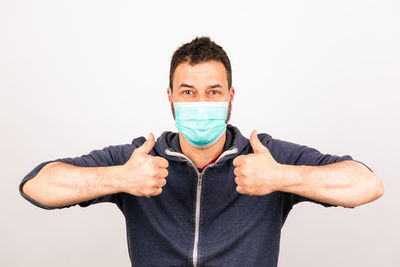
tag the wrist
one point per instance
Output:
(112, 177)
(291, 177)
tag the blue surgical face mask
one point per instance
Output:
(201, 123)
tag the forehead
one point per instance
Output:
(205, 72)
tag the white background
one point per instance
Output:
(76, 76)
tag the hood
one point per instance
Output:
(170, 141)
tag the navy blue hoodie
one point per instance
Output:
(199, 219)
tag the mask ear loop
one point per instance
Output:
(227, 109)
(172, 100)
(173, 104)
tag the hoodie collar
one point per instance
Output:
(235, 142)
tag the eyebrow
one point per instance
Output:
(216, 86)
(191, 86)
(186, 85)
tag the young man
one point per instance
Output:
(205, 196)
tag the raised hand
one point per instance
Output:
(144, 175)
(257, 173)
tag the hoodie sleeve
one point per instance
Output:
(294, 154)
(108, 156)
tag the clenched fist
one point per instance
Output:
(145, 174)
(257, 173)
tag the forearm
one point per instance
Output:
(59, 184)
(346, 183)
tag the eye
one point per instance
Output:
(187, 92)
(215, 92)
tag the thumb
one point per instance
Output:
(147, 146)
(256, 144)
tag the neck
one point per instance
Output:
(202, 156)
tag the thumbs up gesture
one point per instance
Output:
(144, 175)
(257, 173)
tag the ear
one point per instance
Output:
(232, 93)
(169, 92)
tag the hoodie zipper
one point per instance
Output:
(198, 196)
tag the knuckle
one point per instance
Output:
(245, 172)
(155, 191)
(151, 183)
(160, 162)
(143, 162)
(239, 189)
(162, 182)
(165, 163)
(154, 161)
(148, 192)
(240, 171)
(237, 180)
(158, 191)
(153, 173)
(236, 161)
(164, 173)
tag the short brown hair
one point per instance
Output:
(199, 50)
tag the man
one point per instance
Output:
(205, 196)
